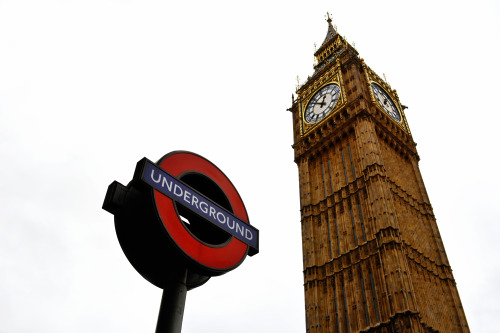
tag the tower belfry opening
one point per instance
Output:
(373, 257)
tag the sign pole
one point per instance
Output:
(180, 221)
(172, 305)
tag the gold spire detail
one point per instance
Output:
(329, 20)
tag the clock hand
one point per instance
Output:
(322, 103)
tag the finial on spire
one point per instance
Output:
(329, 20)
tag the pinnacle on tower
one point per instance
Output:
(331, 33)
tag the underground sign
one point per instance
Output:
(181, 213)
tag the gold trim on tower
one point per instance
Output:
(306, 96)
(391, 99)
(372, 77)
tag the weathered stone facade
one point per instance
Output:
(373, 257)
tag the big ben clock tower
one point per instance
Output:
(373, 257)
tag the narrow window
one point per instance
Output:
(343, 164)
(345, 307)
(337, 232)
(364, 298)
(336, 305)
(323, 176)
(362, 222)
(374, 295)
(352, 165)
(353, 226)
(329, 235)
(330, 174)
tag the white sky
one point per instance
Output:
(88, 88)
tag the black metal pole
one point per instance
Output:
(172, 306)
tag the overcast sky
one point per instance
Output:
(88, 88)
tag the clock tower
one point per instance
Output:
(373, 257)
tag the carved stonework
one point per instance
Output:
(373, 258)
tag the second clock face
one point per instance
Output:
(322, 103)
(386, 102)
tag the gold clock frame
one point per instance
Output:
(396, 102)
(308, 94)
(372, 77)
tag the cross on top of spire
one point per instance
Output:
(329, 20)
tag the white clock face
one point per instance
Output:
(386, 102)
(322, 103)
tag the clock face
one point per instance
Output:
(322, 103)
(386, 102)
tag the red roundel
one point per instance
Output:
(218, 257)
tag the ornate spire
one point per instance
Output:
(331, 49)
(329, 20)
(331, 33)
